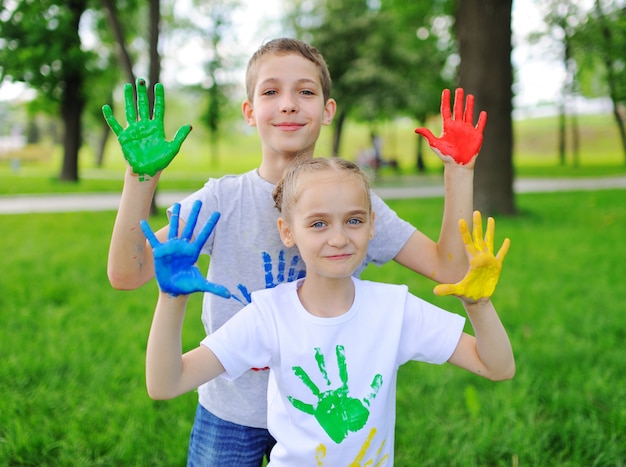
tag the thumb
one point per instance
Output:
(181, 135)
(445, 289)
(426, 133)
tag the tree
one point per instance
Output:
(40, 45)
(212, 21)
(425, 59)
(599, 51)
(484, 36)
(561, 18)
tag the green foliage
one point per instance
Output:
(71, 373)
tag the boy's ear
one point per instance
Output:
(248, 112)
(285, 233)
(329, 111)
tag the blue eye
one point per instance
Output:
(354, 221)
(318, 225)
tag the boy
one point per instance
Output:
(288, 86)
(333, 343)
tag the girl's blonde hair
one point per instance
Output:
(287, 192)
(287, 46)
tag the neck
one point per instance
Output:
(327, 298)
(273, 167)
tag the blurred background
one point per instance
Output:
(389, 60)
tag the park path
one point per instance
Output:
(25, 204)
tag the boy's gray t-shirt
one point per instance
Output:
(247, 255)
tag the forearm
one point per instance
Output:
(492, 343)
(169, 372)
(164, 363)
(130, 262)
(458, 204)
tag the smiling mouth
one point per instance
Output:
(289, 126)
(338, 257)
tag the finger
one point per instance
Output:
(468, 116)
(174, 219)
(482, 121)
(467, 238)
(216, 289)
(143, 105)
(192, 220)
(111, 120)
(180, 136)
(147, 231)
(479, 243)
(504, 249)
(129, 103)
(159, 102)
(489, 235)
(445, 289)
(458, 104)
(445, 105)
(426, 133)
(207, 230)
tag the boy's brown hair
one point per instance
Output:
(287, 46)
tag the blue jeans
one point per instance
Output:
(216, 442)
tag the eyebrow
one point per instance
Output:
(299, 81)
(355, 212)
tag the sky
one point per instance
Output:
(538, 76)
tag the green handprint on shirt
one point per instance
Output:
(336, 411)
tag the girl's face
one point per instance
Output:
(288, 108)
(331, 223)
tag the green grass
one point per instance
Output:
(72, 349)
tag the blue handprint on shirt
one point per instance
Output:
(271, 280)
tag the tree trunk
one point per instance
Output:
(118, 34)
(72, 103)
(610, 71)
(484, 35)
(339, 121)
(71, 111)
(154, 73)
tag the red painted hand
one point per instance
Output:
(460, 141)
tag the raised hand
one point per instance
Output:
(175, 260)
(143, 140)
(484, 271)
(460, 140)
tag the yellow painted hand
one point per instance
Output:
(484, 271)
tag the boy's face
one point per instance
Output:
(288, 108)
(331, 223)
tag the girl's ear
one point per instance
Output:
(285, 233)
(248, 112)
(372, 225)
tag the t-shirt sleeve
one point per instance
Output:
(243, 342)
(390, 233)
(429, 334)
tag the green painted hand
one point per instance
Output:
(484, 272)
(336, 412)
(143, 140)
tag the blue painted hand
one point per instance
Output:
(175, 260)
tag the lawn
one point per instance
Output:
(72, 349)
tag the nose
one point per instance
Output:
(338, 238)
(288, 105)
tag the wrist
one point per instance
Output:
(133, 177)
